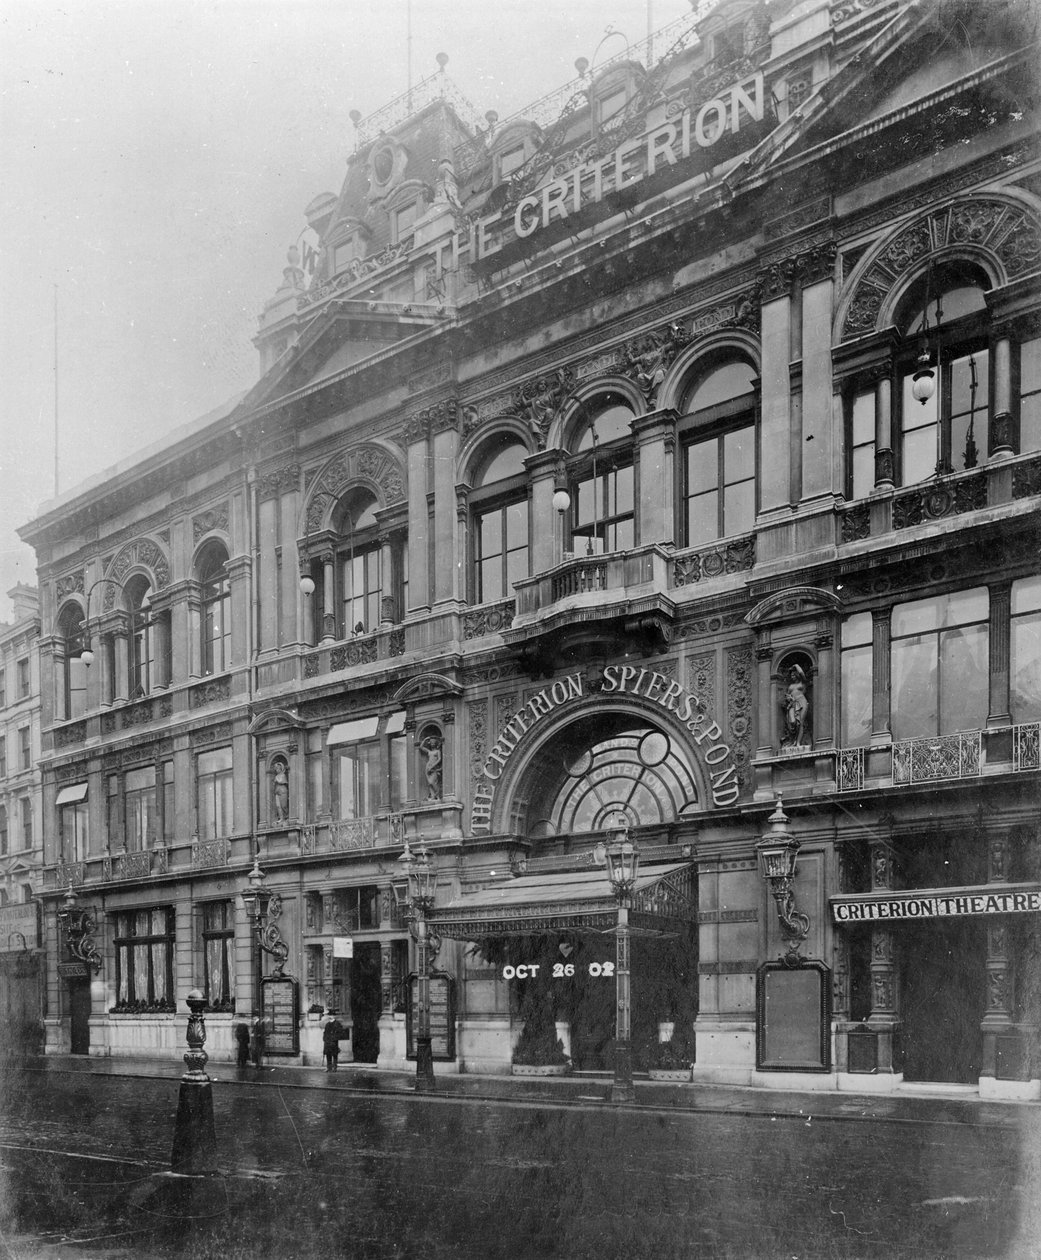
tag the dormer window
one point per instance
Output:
(729, 44)
(346, 252)
(404, 221)
(510, 161)
(611, 106)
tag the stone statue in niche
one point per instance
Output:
(796, 705)
(430, 747)
(280, 790)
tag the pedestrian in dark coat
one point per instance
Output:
(331, 1035)
(256, 1041)
(242, 1044)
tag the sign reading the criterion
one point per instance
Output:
(684, 707)
(937, 904)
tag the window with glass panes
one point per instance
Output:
(74, 672)
(75, 831)
(23, 679)
(142, 640)
(215, 594)
(4, 843)
(214, 789)
(499, 507)
(25, 748)
(939, 659)
(144, 941)
(362, 585)
(861, 444)
(945, 313)
(856, 674)
(358, 908)
(169, 817)
(26, 806)
(1029, 392)
(719, 454)
(357, 778)
(139, 808)
(602, 490)
(1025, 650)
(218, 947)
(3, 756)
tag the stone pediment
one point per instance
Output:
(793, 604)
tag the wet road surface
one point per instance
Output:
(313, 1172)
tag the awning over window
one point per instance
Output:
(74, 792)
(396, 722)
(351, 732)
(569, 901)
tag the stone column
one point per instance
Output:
(997, 1018)
(885, 464)
(387, 609)
(883, 1018)
(289, 577)
(445, 435)
(416, 431)
(328, 598)
(546, 534)
(238, 570)
(267, 595)
(775, 428)
(1000, 629)
(767, 719)
(999, 439)
(880, 634)
(655, 438)
(122, 680)
(824, 690)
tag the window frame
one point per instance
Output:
(140, 808)
(220, 781)
(25, 682)
(25, 804)
(25, 747)
(141, 656)
(220, 939)
(214, 602)
(496, 498)
(127, 942)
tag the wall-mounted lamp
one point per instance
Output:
(256, 898)
(78, 925)
(778, 851)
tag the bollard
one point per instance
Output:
(195, 1142)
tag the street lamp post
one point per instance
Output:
(256, 899)
(623, 860)
(414, 893)
(78, 927)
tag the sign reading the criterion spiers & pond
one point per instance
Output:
(648, 684)
(938, 903)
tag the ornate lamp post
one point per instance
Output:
(777, 852)
(256, 898)
(195, 1142)
(623, 860)
(78, 926)
(414, 893)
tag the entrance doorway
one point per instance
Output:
(79, 1011)
(366, 1001)
(943, 999)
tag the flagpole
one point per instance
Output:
(55, 391)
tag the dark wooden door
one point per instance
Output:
(943, 999)
(366, 1002)
(79, 1009)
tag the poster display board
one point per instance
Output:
(278, 1009)
(442, 1016)
(793, 1017)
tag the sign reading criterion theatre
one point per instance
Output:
(618, 680)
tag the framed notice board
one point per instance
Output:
(793, 1017)
(442, 1016)
(278, 1009)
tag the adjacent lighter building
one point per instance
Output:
(621, 467)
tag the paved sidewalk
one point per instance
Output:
(904, 1106)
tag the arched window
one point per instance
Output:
(719, 458)
(359, 564)
(602, 479)
(499, 512)
(216, 609)
(943, 316)
(74, 672)
(142, 636)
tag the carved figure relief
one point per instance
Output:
(796, 707)
(431, 747)
(280, 790)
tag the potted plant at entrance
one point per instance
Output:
(539, 1051)
(672, 1060)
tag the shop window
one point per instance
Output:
(139, 805)
(144, 941)
(856, 680)
(214, 784)
(719, 464)
(74, 822)
(215, 592)
(1025, 650)
(944, 316)
(939, 664)
(24, 683)
(25, 758)
(74, 672)
(602, 477)
(26, 807)
(499, 512)
(218, 948)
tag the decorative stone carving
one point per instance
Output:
(272, 483)
(739, 666)
(795, 705)
(648, 358)
(701, 680)
(69, 584)
(541, 400)
(357, 652)
(206, 522)
(368, 463)
(209, 693)
(144, 553)
(477, 713)
(280, 789)
(492, 619)
(430, 746)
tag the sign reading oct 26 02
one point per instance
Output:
(685, 708)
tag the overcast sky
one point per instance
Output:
(157, 156)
